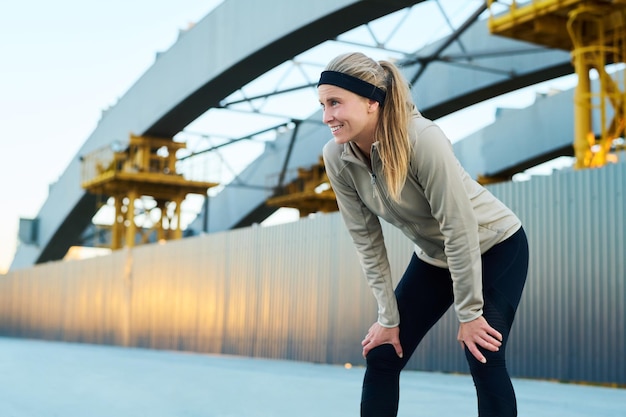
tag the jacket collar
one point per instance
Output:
(352, 153)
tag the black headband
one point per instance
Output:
(354, 84)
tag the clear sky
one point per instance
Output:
(61, 64)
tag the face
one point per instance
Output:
(349, 116)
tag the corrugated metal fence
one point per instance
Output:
(296, 291)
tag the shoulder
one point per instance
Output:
(332, 151)
(332, 155)
(427, 135)
(421, 123)
(332, 148)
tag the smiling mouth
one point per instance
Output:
(333, 129)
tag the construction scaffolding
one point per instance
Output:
(146, 168)
(310, 192)
(595, 33)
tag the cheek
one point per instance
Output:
(344, 114)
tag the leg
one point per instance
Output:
(504, 273)
(424, 294)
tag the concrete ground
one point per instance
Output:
(46, 379)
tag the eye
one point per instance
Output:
(331, 103)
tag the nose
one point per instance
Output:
(326, 116)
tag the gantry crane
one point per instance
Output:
(595, 33)
(310, 192)
(146, 168)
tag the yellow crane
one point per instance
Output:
(146, 168)
(595, 33)
(310, 192)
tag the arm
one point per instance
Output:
(442, 178)
(367, 236)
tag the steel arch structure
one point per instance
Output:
(215, 58)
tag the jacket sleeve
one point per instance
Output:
(443, 180)
(366, 232)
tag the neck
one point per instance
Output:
(362, 154)
(365, 148)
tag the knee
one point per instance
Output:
(384, 357)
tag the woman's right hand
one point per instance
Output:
(379, 335)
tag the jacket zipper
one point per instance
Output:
(373, 176)
(385, 200)
(354, 160)
(375, 187)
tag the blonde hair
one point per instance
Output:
(392, 129)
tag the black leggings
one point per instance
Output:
(424, 294)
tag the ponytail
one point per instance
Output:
(392, 130)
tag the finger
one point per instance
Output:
(398, 348)
(479, 356)
(486, 341)
(496, 335)
(496, 342)
(490, 346)
(366, 350)
(367, 339)
(491, 342)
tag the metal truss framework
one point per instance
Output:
(384, 37)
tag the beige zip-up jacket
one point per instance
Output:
(449, 217)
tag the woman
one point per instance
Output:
(387, 161)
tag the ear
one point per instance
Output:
(372, 105)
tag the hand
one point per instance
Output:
(479, 333)
(378, 335)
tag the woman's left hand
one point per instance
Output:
(479, 333)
